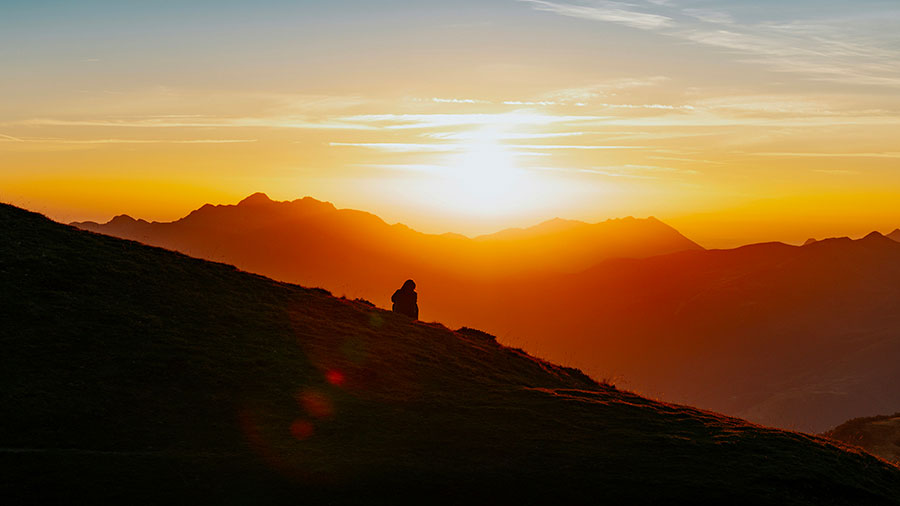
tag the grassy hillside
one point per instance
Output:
(795, 337)
(879, 435)
(138, 374)
(799, 338)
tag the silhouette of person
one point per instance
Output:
(405, 299)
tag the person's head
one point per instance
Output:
(409, 285)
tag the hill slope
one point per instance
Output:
(134, 373)
(796, 337)
(879, 435)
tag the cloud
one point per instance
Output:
(469, 135)
(625, 171)
(681, 159)
(886, 154)
(424, 147)
(855, 48)
(198, 121)
(423, 121)
(397, 147)
(587, 93)
(649, 106)
(571, 146)
(519, 102)
(403, 167)
(644, 169)
(459, 101)
(54, 140)
(613, 12)
(710, 16)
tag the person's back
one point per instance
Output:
(405, 300)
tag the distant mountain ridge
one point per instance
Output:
(358, 254)
(131, 372)
(553, 246)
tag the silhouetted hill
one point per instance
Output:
(135, 374)
(895, 235)
(799, 337)
(794, 337)
(879, 435)
(311, 242)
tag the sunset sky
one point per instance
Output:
(734, 121)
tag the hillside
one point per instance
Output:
(140, 375)
(794, 337)
(879, 435)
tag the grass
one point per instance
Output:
(879, 435)
(136, 374)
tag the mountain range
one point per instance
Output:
(135, 374)
(794, 337)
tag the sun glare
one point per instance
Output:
(484, 178)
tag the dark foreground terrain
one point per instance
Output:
(140, 375)
(799, 338)
(879, 435)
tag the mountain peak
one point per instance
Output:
(121, 219)
(258, 198)
(874, 236)
(895, 235)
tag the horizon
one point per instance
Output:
(732, 123)
(468, 236)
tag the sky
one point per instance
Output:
(734, 121)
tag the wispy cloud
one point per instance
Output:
(397, 147)
(198, 122)
(425, 147)
(404, 167)
(887, 154)
(424, 121)
(571, 146)
(469, 135)
(613, 12)
(646, 170)
(688, 160)
(54, 140)
(626, 171)
(584, 94)
(710, 16)
(839, 49)
(666, 107)
(459, 101)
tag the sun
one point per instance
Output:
(483, 178)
